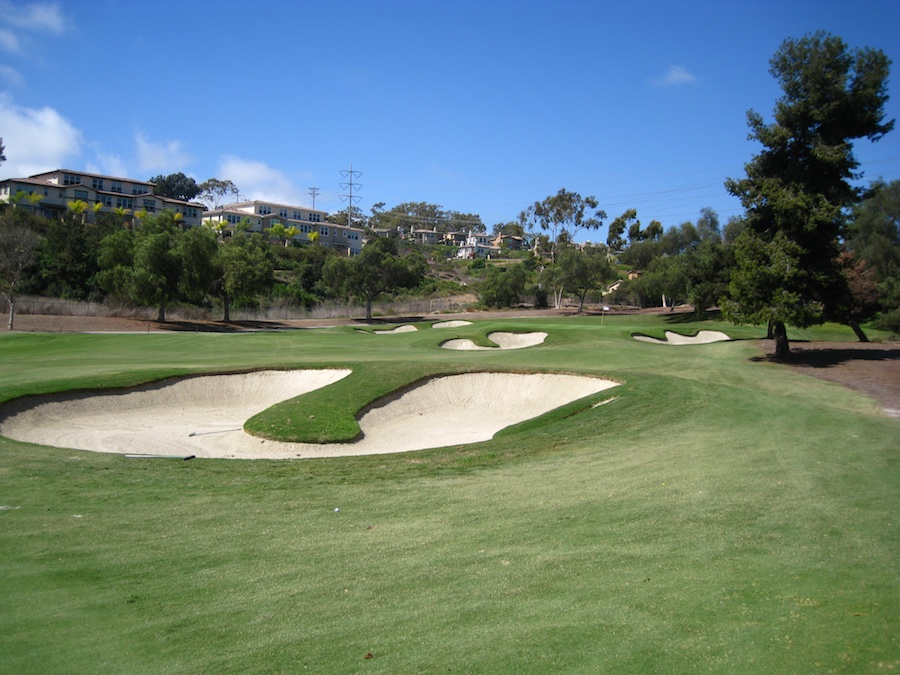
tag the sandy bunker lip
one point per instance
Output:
(672, 338)
(501, 339)
(204, 416)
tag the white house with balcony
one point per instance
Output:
(478, 245)
(310, 224)
(59, 187)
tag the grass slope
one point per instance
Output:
(719, 515)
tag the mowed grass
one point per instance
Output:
(719, 514)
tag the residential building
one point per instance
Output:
(60, 187)
(477, 245)
(262, 215)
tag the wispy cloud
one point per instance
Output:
(675, 76)
(9, 42)
(105, 163)
(257, 180)
(36, 139)
(42, 17)
(10, 75)
(166, 156)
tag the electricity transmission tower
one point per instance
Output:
(350, 176)
(314, 192)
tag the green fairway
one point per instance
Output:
(720, 513)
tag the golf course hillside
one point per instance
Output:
(582, 501)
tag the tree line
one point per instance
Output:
(810, 247)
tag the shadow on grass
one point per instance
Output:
(827, 357)
(692, 317)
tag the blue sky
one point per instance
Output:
(480, 106)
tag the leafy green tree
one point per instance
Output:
(562, 216)
(18, 251)
(503, 286)
(614, 239)
(196, 249)
(2, 152)
(378, 269)
(797, 188)
(584, 270)
(68, 257)
(245, 267)
(175, 186)
(707, 271)
(214, 192)
(873, 239)
(116, 259)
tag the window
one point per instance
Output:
(282, 213)
(149, 204)
(97, 183)
(323, 231)
(81, 194)
(264, 210)
(315, 217)
(70, 179)
(115, 185)
(124, 203)
(139, 190)
(298, 215)
(306, 229)
(106, 200)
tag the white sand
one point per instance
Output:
(203, 416)
(503, 341)
(408, 328)
(702, 338)
(451, 324)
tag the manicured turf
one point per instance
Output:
(720, 514)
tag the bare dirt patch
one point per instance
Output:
(871, 368)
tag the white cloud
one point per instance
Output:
(40, 17)
(257, 180)
(36, 140)
(675, 76)
(166, 157)
(10, 75)
(109, 165)
(9, 42)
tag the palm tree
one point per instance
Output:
(78, 207)
(276, 232)
(124, 213)
(290, 233)
(34, 198)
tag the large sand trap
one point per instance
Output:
(204, 416)
(702, 338)
(503, 341)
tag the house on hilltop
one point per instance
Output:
(58, 188)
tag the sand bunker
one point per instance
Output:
(204, 416)
(503, 341)
(399, 329)
(702, 338)
(451, 324)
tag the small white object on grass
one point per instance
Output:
(336, 510)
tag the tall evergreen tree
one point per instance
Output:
(798, 187)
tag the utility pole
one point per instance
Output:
(350, 175)
(314, 192)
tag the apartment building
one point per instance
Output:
(59, 187)
(309, 223)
